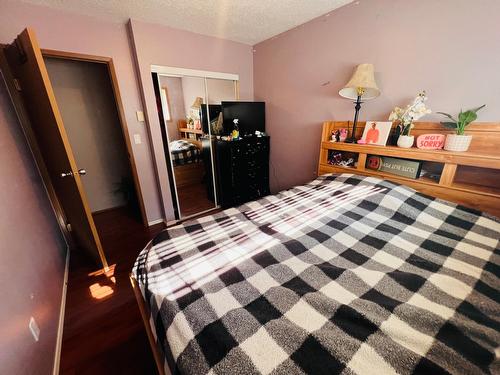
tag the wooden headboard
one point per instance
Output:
(470, 178)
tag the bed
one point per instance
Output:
(184, 152)
(346, 274)
(187, 162)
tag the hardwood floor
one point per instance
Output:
(103, 330)
(193, 199)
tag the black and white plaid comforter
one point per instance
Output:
(347, 274)
(184, 152)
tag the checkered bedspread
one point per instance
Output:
(184, 152)
(346, 274)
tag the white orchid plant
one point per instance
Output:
(412, 112)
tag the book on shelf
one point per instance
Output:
(397, 166)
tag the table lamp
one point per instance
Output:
(361, 86)
(197, 103)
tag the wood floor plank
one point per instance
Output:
(103, 330)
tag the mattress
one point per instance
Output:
(184, 152)
(346, 274)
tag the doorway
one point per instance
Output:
(25, 71)
(190, 113)
(85, 97)
(88, 100)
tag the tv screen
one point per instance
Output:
(251, 116)
(213, 111)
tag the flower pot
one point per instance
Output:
(405, 141)
(455, 142)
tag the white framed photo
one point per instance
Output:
(376, 132)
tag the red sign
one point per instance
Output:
(431, 141)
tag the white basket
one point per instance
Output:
(456, 142)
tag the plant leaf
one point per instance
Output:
(451, 125)
(475, 110)
(465, 118)
(447, 115)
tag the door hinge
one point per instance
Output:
(17, 84)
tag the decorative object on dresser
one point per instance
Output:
(361, 86)
(376, 132)
(242, 168)
(405, 118)
(469, 178)
(459, 142)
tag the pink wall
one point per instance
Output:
(161, 45)
(32, 255)
(447, 47)
(70, 32)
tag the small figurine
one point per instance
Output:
(335, 136)
(342, 135)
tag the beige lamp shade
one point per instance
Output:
(197, 103)
(363, 80)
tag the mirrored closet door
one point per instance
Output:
(191, 118)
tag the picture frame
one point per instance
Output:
(376, 132)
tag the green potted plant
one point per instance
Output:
(459, 141)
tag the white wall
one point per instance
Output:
(220, 90)
(192, 88)
(85, 98)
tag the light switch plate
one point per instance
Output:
(137, 139)
(35, 330)
(140, 116)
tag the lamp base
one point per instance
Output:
(357, 107)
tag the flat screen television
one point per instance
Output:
(251, 116)
(213, 111)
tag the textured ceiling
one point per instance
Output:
(246, 21)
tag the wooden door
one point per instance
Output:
(26, 64)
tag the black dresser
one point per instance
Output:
(242, 169)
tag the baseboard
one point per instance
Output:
(108, 209)
(154, 222)
(60, 327)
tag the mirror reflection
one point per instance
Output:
(191, 117)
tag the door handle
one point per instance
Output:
(81, 172)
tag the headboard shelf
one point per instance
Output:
(469, 178)
(474, 159)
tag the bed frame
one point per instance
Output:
(146, 314)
